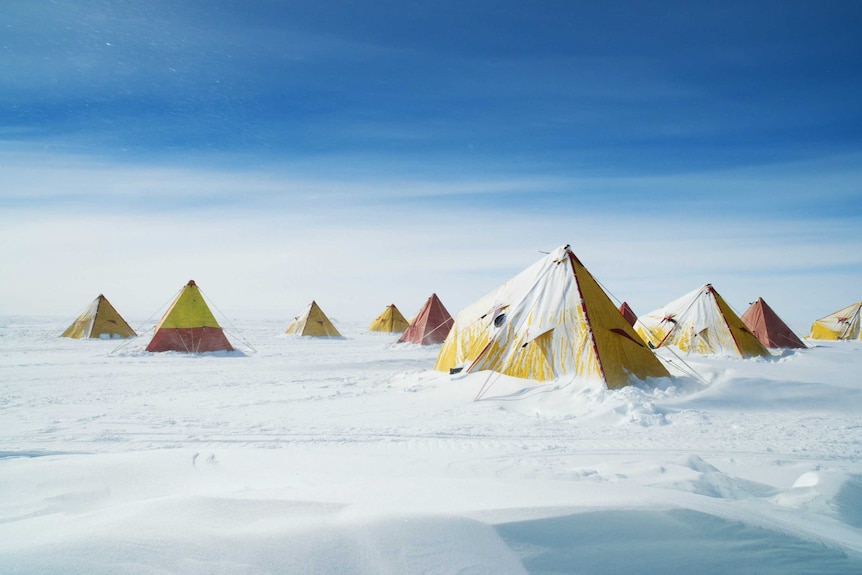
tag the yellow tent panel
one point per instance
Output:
(619, 350)
(820, 331)
(188, 310)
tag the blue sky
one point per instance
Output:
(433, 146)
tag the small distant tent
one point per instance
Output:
(312, 322)
(700, 322)
(551, 320)
(844, 324)
(628, 314)
(431, 325)
(765, 324)
(99, 320)
(389, 321)
(189, 326)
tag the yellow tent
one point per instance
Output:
(551, 320)
(189, 326)
(700, 322)
(99, 320)
(843, 324)
(389, 321)
(312, 322)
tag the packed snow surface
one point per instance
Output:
(353, 456)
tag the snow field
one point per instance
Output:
(337, 456)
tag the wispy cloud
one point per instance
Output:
(262, 242)
(827, 187)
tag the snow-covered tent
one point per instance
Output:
(770, 329)
(189, 325)
(312, 322)
(99, 320)
(843, 324)
(390, 320)
(431, 325)
(628, 313)
(700, 322)
(551, 320)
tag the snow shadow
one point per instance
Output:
(668, 542)
(244, 538)
(848, 501)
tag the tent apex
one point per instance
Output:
(191, 283)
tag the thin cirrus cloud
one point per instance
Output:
(137, 231)
(273, 264)
(819, 188)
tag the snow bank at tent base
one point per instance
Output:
(352, 456)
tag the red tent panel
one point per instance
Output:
(190, 339)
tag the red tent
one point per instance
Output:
(431, 325)
(628, 314)
(769, 328)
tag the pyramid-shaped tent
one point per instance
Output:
(189, 326)
(844, 324)
(765, 324)
(431, 325)
(628, 313)
(99, 320)
(551, 320)
(312, 322)
(700, 322)
(389, 321)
